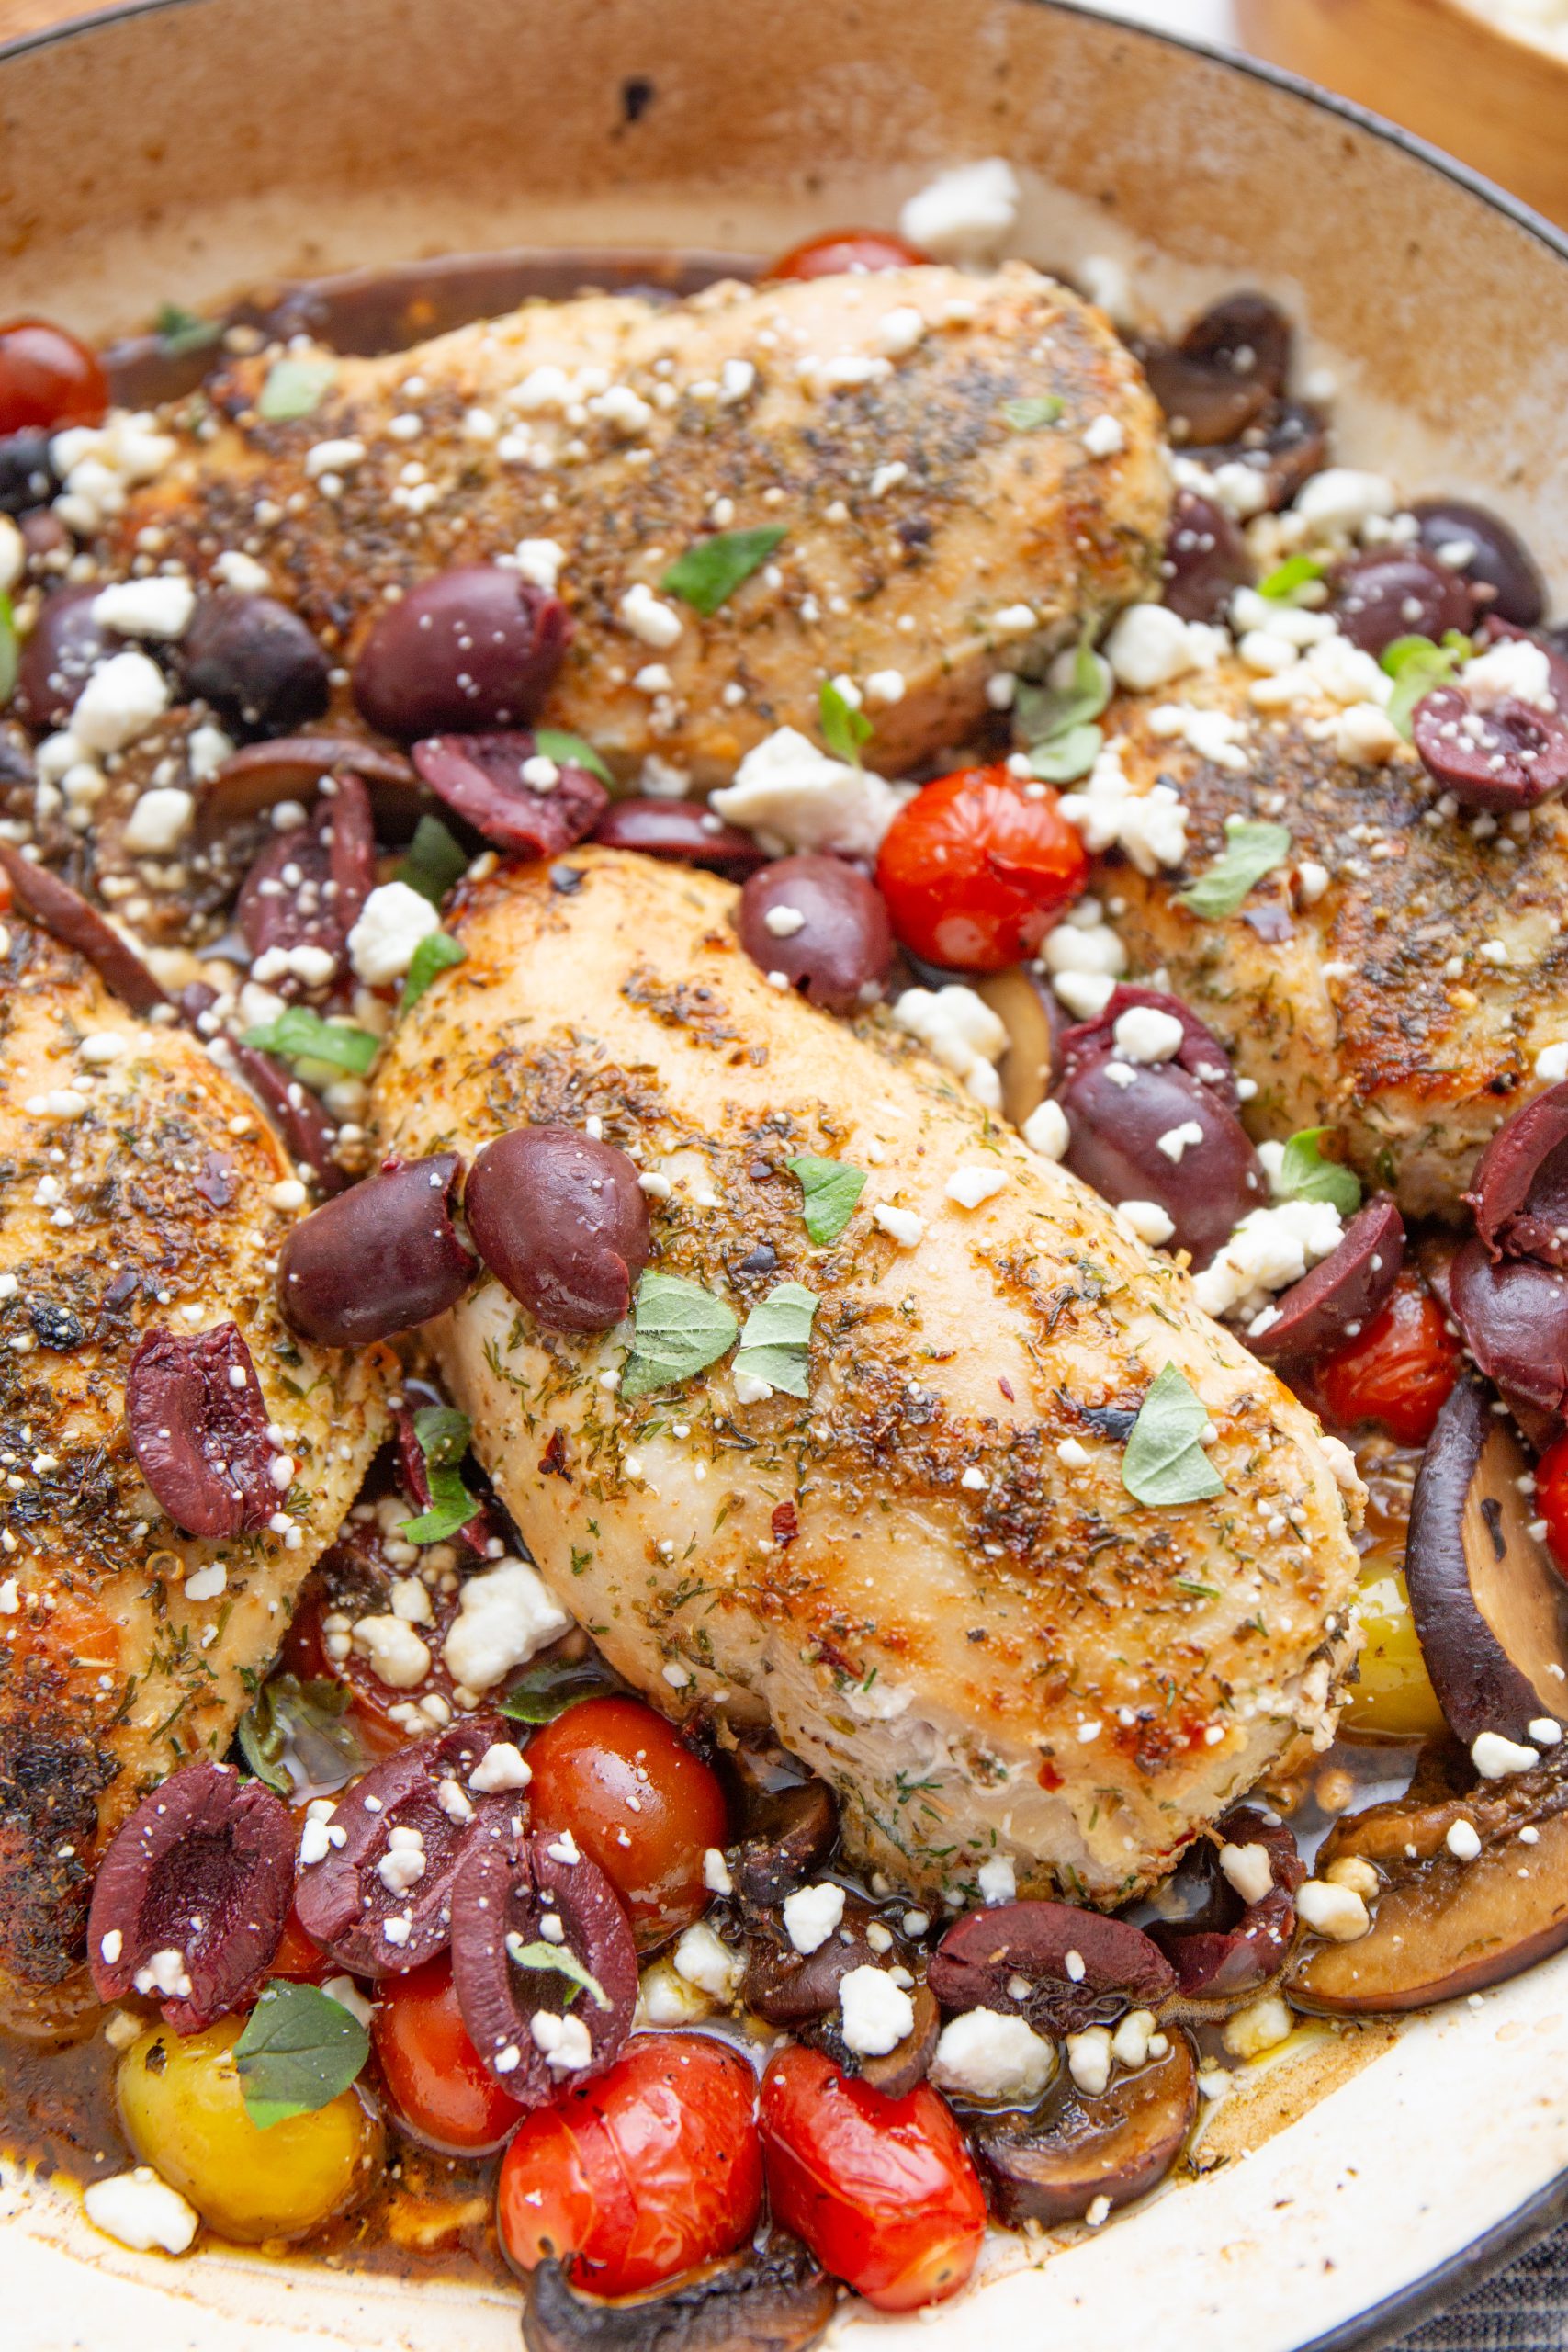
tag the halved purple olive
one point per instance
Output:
(1199, 1054)
(1491, 1612)
(290, 767)
(486, 779)
(823, 926)
(1342, 1293)
(381, 1258)
(775, 2298)
(1507, 756)
(298, 1116)
(1495, 555)
(307, 886)
(1206, 559)
(58, 658)
(380, 1901)
(1142, 1132)
(1229, 1947)
(1519, 1189)
(1390, 592)
(192, 1895)
(256, 662)
(1513, 1315)
(562, 1220)
(1025, 1004)
(1050, 2166)
(197, 1422)
(476, 647)
(1061, 1968)
(531, 1916)
(683, 832)
(56, 907)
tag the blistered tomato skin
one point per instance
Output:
(638, 1803)
(846, 249)
(48, 378)
(1398, 1372)
(1551, 1501)
(651, 2169)
(882, 2190)
(977, 867)
(432, 2071)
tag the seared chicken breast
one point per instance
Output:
(928, 1574)
(954, 467)
(136, 1190)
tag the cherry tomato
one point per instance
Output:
(370, 1701)
(1398, 1372)
(639, 1802)
(299, 1957)
(846, 249)
(975, 872)
(882, 2190)
(437, 2082)
(48, 378)
(1551, 1499)
(652, 2168)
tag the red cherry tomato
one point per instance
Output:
(882, 2190)
(652, 2168)
(48, 378)
(639, 1802)
(1398, 1372)
(370, 1701)
(846, 249)
(1551, 1499)
(975, 872)
(431, 2069)
(299, 1957)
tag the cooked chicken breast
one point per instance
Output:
(1406, 1004)
(930, 1574)
(956, 466)
(135, 1184)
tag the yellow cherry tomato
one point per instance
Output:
(184, 2111)
(1393, 1698)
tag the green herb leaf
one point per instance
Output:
(551, 1686)
(1417, 665)
(300, 1036)
(678, 1330)
(1029, 416)
(433, 861)
(8, 650)
(1251, 851)
(1306, 1175)
(773, 1345)
(1284, 584)
(299, 2051)
(564, 1963)
(831, 1189)
(296, 1736)
(294, 388)
(443, 1433)
(180, 330)
(570, 751)
(1164, 1462)
(1047, 714)
(710, 570)
(843, 727)
(435, 955)
(1067, 756)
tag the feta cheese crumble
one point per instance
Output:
(392, 922)
(811, 1914)
(988, 2054)
(504, 1615)
(958, 1029)
(877, 2013)
(964, 214)
(792, 796)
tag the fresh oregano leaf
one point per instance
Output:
(294, 388)
(710, 570)
(830, 1190)
(678, 1330)
(1044, 714)
(1417, 665)
(569, 752)
(443, 1433)
(1030, 416)
(179, 331)
(552, 1685)
(303, 1724)
(1306, 1175)
(1251, 851)
(300, 1036)
(1067, 757)
(433, 860)
(1163, 1462)
(1285, 582)
(435, 955)
(299, 2051)
(843, 727)
(563, 1963)
(773, 1345)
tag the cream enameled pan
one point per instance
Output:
(187, 148)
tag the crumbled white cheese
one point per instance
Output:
(959, 1029)
(997, 1878)
(403, 1864)
(160, 607)
(1216, 736)
(160, 821)
(1338, 1912)
(877, 2013)
(751, 1389)
(1144, 1033)
(1150, 826)
(502, 1766)
(540, 561)
(1147, 1221)
(1105, 436)
(988, 2054)
(716, 1871)
(142, 2212)
(901, 1225)
(1515, 668)
(336, 457)
(793, 797)
(123, 697)
(1341, 501)
(702, 1959)
(1248, 1870)
(392, 922)
(1130, 2042)
(242, 572)
(398, 1657)
(665, 1998)
(964, 214)
(1261, 2025)
(562, 2042)
(1045, 1130)
(812, 1913)
(1270, 1248)
(971, 1186)
(1495, 1758)
(1150, 645)
(656, 623)
(1463, 1840)
(504, 1615)
(1354, 1871)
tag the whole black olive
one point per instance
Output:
(562, 1221)
(475, 648)
(1205, 559)
(1495, 556)
(820, 923)
(1390, 592)
(1154, 1133)
(65, 643)
(256, 663)
(379, 1258)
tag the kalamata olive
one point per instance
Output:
(27, 478)
(290, 767)
(68, 917)
(381, 1258)
(562, 1221)
(512, 794)
(1199, 1054)
(1231, 1946)
(1247, 334)
(823, 926)
(374, 1887)
(683, 832)
(1204, 403)
(192, 1895)
(63, 645)
(1061, 1968)
(198, 1422)
(1284, 449)
(307, 888)
(477, 647)
(1340, 1296)
(1390, 593)
(1206, 559)
(1507, 756)
(1519, 1189)
(1513, 1315)
(1139, 1133)
(516, 1901)
(256, 662)
(298, 1116)
(1487, 550)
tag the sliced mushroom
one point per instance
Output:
(1022, 1002)
(1491, 1612)
(909, 2062)
(1061, 1968)
(775, 2300)
(790, 1822)
(1050, 2165)
(263, 775)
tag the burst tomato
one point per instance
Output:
(1398, 1372)
(48, 378)
(882, 2190)
(1551, 1499)
(652, 2168)
(845, 249)
(437, 2082)
(370, 1701)
(298, 1956)
(977, 867)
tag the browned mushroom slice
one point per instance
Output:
(909, 2062)
(1491, 1612)
(777, 2300)
(257, 779)
(1020, 999)
(1050, 2165)
(1450, 1917)
(789, 1821)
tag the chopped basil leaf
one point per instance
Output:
(1048, 714)
(678, 1330)
(569, 752)
(301, 1036)
(180, 330)
(1164, 1462)
(300, 2050)
(831, 1188)
(551, 1686)
(443, 1433)
(1029, 415)
(565, 1964)
(1306, 1175)
(1067, 756)
(843, 727)
(294, 388)
(1251, 851)
(1417, 665)
(711, 570)
(303, 1724)
(435, 955)
(9, 653)
(1284, 584)
(774, 1342)
(435, 861)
